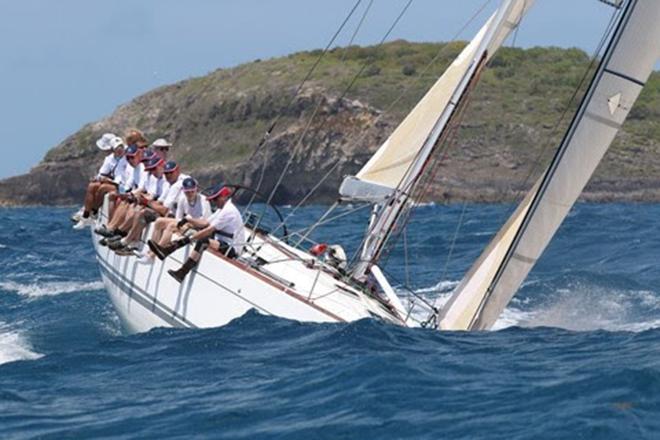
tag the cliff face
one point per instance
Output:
(507, 134)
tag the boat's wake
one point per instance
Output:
(581, 307)
(49, 288)
(14, 346)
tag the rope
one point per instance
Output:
(405, 91)
(341, 97)
(293, 98)
(357, 29)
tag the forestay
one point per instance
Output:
(495, 277)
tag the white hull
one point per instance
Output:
(221, 289)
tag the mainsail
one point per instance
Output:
(390, 176)
(495, 277)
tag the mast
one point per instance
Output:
(390, 176)
(495, 277)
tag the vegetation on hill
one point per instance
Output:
(508, 133)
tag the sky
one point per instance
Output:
(65, 63)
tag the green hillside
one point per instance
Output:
(509, 131)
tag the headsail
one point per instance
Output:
(390, 176)
(626, 65)
(393, 161)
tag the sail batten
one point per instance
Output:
(625, 67)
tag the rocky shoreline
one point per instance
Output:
(506, 137)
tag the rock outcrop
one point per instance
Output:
(506, 137)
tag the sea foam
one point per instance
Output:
(50, 288)
(14, 346)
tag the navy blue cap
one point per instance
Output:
(171, 167)
(153, 163)
(217, 191)
(148, 155)
(131, 150)
(189, 184)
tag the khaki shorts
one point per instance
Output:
(150, 215)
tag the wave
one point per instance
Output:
(581, 307)
(51, 288)
(423, 204)
(14, 346)
(440, 287)
(589, 308)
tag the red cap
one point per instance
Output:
(219, 191)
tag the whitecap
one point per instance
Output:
(14, 346)
(51, 288)
(588, 308)
(3, 246)
(576, 308)
(423, 204)
(437, 294)
(439, 287)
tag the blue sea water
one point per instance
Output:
(576, 355)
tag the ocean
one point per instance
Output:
(575, 355)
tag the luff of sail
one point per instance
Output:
(626, 65)
(394, 160)
(390, 207)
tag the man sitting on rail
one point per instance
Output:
(106, 181)
(151, 204)
(223, 231)
(164, 207)
(129, 182)
(122, 218)
(191, 205)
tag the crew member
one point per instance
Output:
(106, 181)
(129, 182)
(191, 205)
(223, 231)
(155, 187)
(163, 209)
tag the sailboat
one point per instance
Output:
(288, 280)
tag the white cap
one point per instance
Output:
(116, 142)
(104, 141)
(161, 143)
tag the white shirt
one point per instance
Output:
(200, 209)
(131, 177)
(112, 167)
(228, 221)
(144, 178)
(156, 186)
(170, 197)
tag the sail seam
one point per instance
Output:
(626, 77)
(602, 120)
(524, 259)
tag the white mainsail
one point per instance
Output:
(495, 277)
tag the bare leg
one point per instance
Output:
(118, 215)
(135, 233)
(102, 190)
(132, 213)
(159, 226)
(166, 237)
(90, 196)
